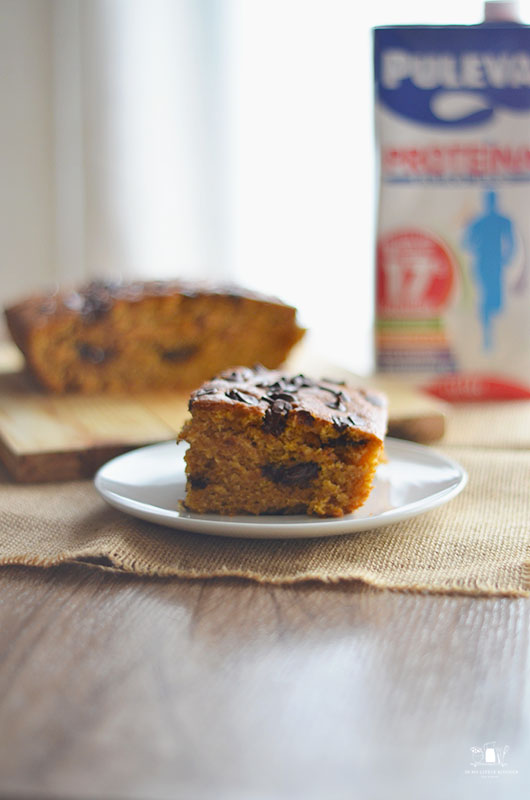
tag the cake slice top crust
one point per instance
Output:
(93, 301)
(274, 398)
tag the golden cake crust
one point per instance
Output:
(272, 395)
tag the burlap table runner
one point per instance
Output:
(476, 544)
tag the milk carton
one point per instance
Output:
(453, 243)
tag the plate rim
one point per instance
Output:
(245, 526)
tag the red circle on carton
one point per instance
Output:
(415, 274)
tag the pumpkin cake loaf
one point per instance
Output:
(261, 442)
(148, 335)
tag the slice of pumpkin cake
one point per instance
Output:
(262, 442)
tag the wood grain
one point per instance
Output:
(51, 437)
(45, 437)
(116, 687)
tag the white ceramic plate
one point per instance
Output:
(149, 483)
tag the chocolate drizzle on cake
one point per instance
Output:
(93, 301)
(336, 382)
(343, 423)
(286, 389)
(237, 375)
(200, 393)
(285, 384)
(298, 396)
(242, 397)
(287, 396)
(275, 419)
(97, 298)
(339, 403)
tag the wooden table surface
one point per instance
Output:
(119, 687)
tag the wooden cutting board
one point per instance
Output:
(46, 437)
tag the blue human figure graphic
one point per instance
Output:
(490, 239)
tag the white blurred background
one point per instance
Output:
(229, 139)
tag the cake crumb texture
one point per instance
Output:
(261, 442)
